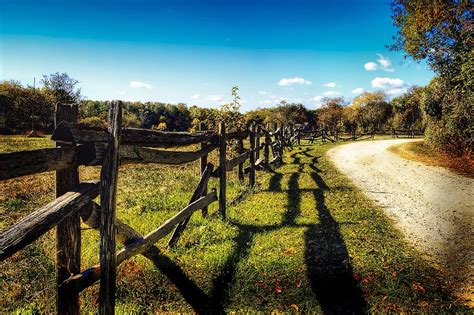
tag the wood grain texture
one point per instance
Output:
(74, 133)
(252, 156)
(37, 223)
(89, 276)
(108, 194)
(23, 163)
(68, 232)
(222, 166)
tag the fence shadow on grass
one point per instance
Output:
(326, 256)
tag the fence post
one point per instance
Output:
(222, 165)
(266, 150)
(203, 167)
(108, 194)
(68, 232)
(252, 156)
(257, 142)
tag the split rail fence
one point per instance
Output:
(77, 145)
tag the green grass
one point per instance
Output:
(306, 240)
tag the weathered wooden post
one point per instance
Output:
(257, 142)
(266, 150)
(280, 148)
(203, 167)
(108, 194)
(252, 156)
(68, 232)
(222, 165)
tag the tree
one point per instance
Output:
(441, 33)
(438, 31)
(408, 109)
(372, 110)
(330, 113)
(62, 87)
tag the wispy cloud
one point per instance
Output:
(196, 97)
(383, 63)
(262, 92)
(330, 84)
(138, 85)
(295, 80)
(331, 93)
(358, 91)
(215, 97)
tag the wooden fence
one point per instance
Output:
(323, 135)
(77, 145)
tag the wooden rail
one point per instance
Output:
(78, 145)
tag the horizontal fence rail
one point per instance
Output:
(79, 145)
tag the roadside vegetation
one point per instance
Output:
(304, 240)
(419, 151)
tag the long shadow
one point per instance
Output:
(198, 300)
(328, 261)
(326, 255)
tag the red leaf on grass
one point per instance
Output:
(417, 287)
(260, 283)
(278, 288)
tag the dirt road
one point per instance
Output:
(431, 205)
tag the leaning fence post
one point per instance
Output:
(222, 165)
(252, 156)
(203, 167)
(68, 232)
(108, 194)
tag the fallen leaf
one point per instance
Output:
(417, 287)
(298, 283)
(356, 277)
(278, 288)
(394, 274)
(424, 303)
(260, 283)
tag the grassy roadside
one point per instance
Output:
(420, 152)
(306, 240)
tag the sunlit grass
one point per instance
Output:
(278, 245)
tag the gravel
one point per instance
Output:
(432, 206)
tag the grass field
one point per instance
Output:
(305, 240)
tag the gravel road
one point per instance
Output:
(432, 206)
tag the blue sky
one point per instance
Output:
(195, 51)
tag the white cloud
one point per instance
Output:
(358, 91)
(262, 92)
(266, 102)
(295, 80)
(331, 93)
(396, 91)
(330, 84)
(196, 97)
(138, 85)
(122, 92)
(318, 98)
(387, 83)
(371, 66)
(385, 63)
(215, 98)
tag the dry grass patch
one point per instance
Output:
(421, 152)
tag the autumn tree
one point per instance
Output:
(440, 32)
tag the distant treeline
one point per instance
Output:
(26, 108)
